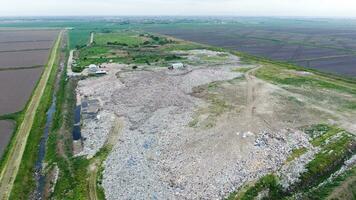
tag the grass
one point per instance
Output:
(296, 153)
(267, 183)
(329, 160)
(78, 38)
(123, 39)
(336, 147)
(280, 76)
(322, 133)
(74, 180)
(64, 189)
(340, 95)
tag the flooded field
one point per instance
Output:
(28, 35)
(25, 48)
(17, 92)
(23, 58)
(20, 49)
(6, 128)
(327, 47)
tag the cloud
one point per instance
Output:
(341, 8)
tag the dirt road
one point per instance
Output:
(253, 99)
(91, 38)
(251, 95)
(12, 164)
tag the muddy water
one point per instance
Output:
(6, 129)
(40, 177)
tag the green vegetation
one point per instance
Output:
(121, 39)
(74, 176)
(320, 133)
(127, 47)
(281, 76)
(335, 151)
(296, 153)
(268, 183)
(338, 93)
(59, 146)
(11, 116)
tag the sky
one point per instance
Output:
(308, 8)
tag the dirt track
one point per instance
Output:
(12, 164)
(251, 96)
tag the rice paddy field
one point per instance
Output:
(23, 53)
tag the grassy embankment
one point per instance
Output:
(24, 183)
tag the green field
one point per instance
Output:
(125, 39)
(130, 48)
